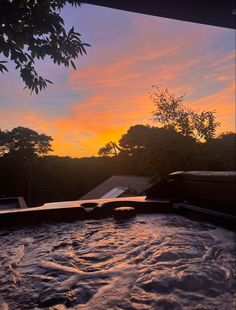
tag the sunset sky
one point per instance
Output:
(110, 89)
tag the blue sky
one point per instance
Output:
(109, 91)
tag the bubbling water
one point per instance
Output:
(148, 262)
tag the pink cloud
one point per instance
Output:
(115, 82)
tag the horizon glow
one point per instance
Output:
(109, 91)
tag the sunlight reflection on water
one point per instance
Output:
(150, 262)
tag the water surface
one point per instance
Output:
(150, 262)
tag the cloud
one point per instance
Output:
(109, 92)
(223, 102)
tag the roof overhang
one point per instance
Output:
(210, 12)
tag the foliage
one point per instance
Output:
(55, 178)
(170, 112)
(3, 141)
(24, 143)
(110, 149)
(155, 152)
(159, 151)
(144, 150)
(219, 153)
(205, 125)
(31, 29)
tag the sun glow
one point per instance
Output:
(109, 92)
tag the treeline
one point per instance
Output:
(183, 140)
(143, 150)
(54, 178)
(159, 151)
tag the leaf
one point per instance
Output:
(83, 49)
(71, 31)
(3, 68)
(32, 34)
(73, 65)
(49, 81)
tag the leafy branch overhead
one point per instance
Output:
(32, 29)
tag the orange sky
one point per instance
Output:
(109, 91)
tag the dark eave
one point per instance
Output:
(210, 12)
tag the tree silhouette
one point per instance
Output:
(144, 150)
(170, 112)
(110, 149)
(20, 147)
(219, 153)
(137, 138)
(3, 141)
(204, 125)
(32, 30)
(24, 143)
(159, 151)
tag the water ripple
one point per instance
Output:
(150, 262)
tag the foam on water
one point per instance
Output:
(149, 262)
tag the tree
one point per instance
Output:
(3, 141)
(170, 112)
(20, 149)
(219, 153)
(205, 125)
(159, 151)
(32, 29)
(24, 142)
(137, 139)
(110, 149)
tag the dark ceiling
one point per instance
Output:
(210, 12)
